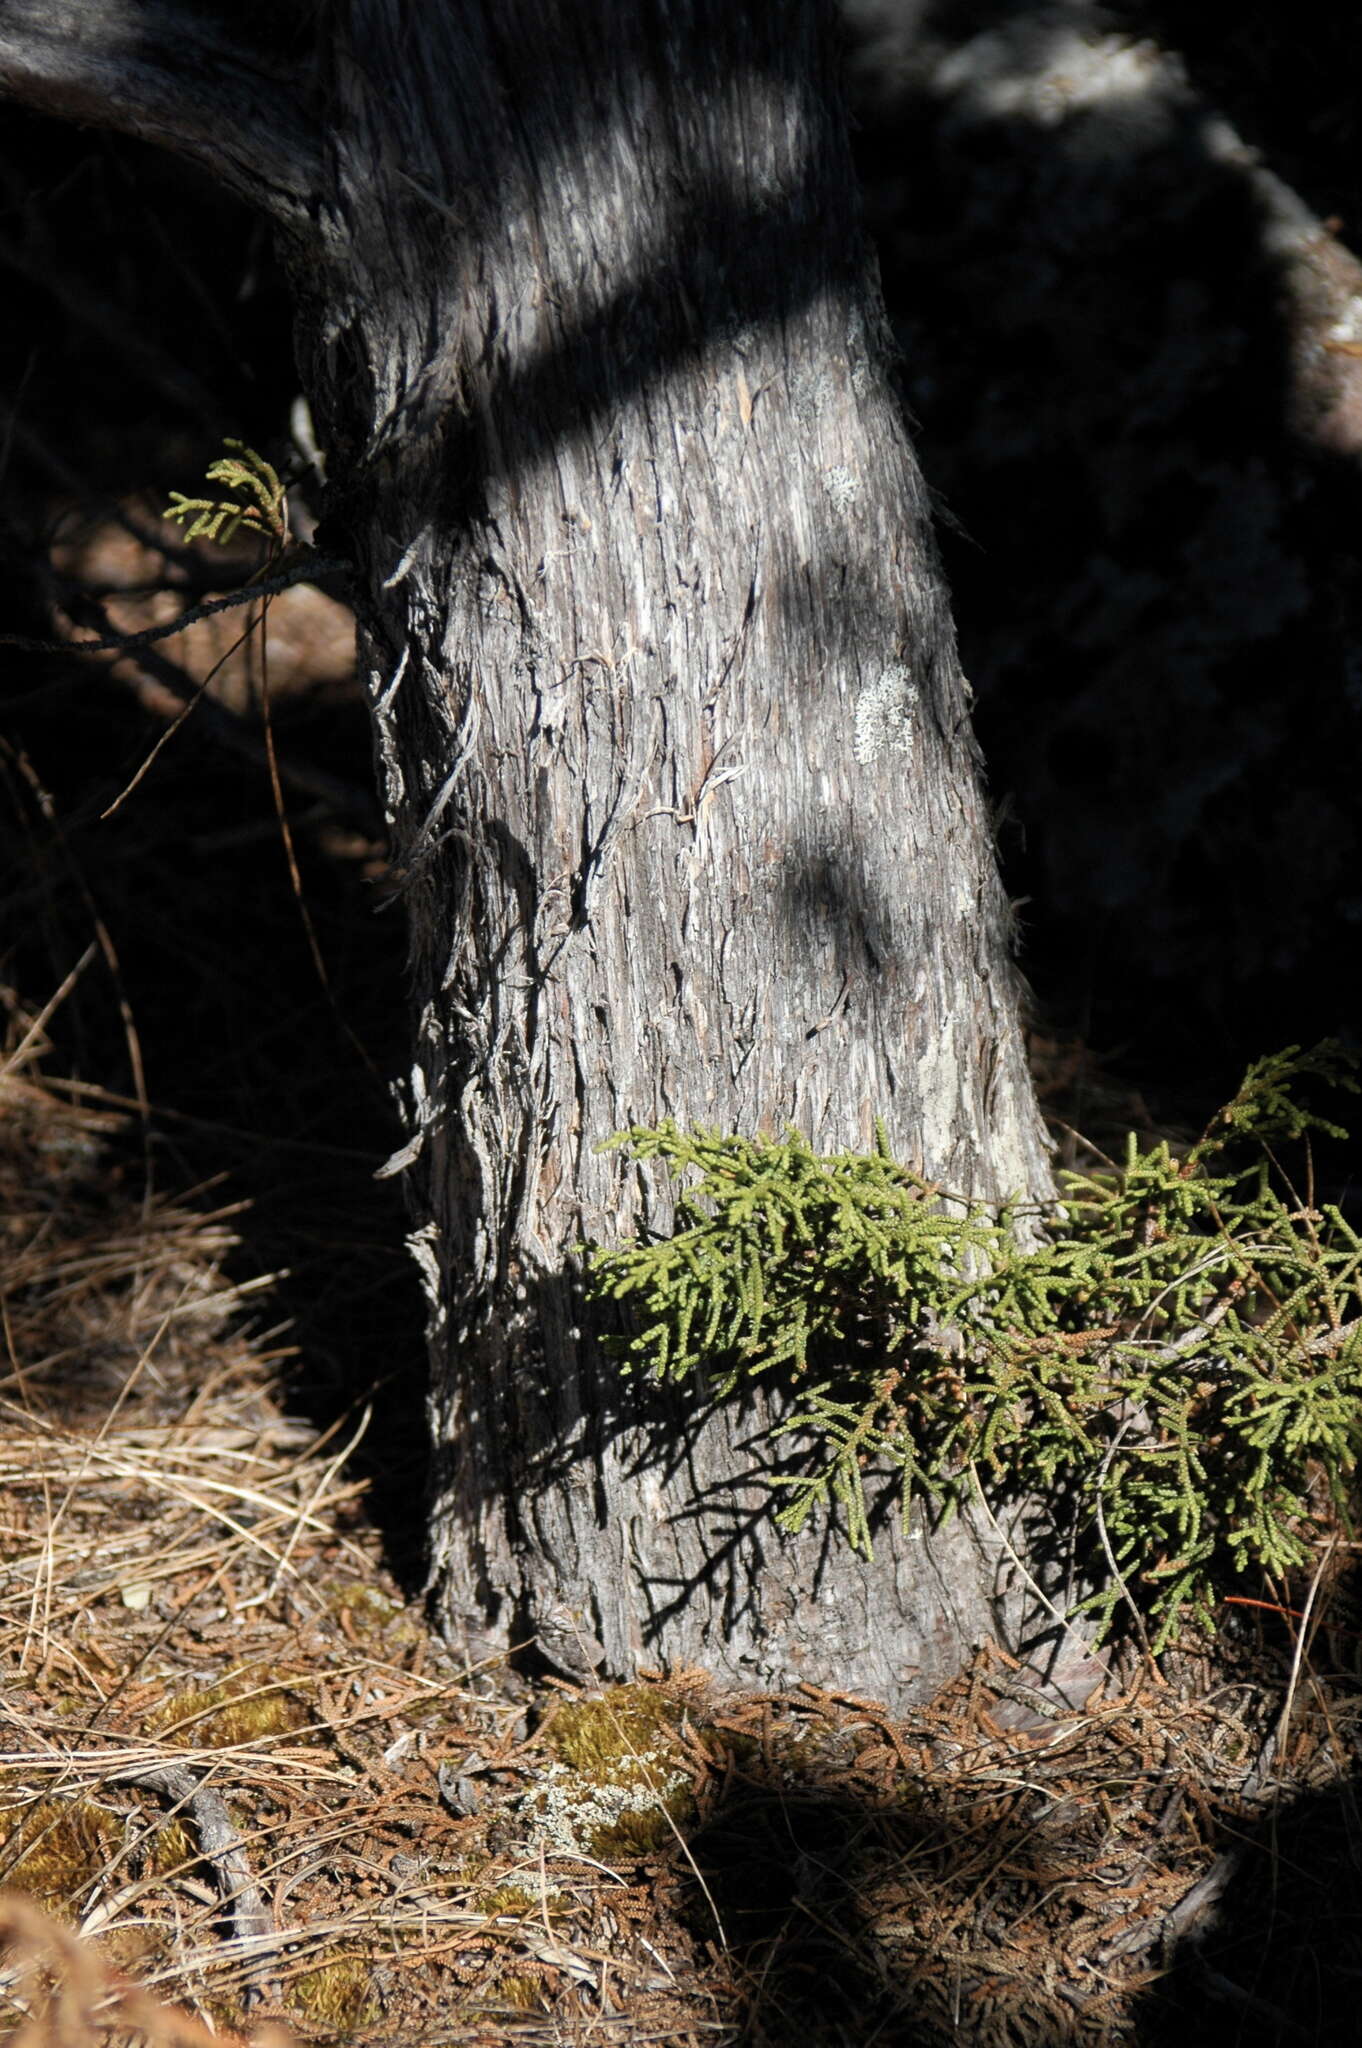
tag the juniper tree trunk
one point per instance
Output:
(677, 758)
(677, 755)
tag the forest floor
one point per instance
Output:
(239, 1768)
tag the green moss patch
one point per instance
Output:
(55, 1849)
(616, 1787)
(339, 1997)
(249, 1706)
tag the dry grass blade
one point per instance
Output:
(68, 1997)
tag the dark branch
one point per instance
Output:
(306, 570)
(341, 798)
(169, 74)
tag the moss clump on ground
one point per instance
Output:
(616, 1788)
(505, 1901)
(249, 1706)
(644, 1831)
(526, 1994)
(169, 1850)
(338, 1996)
(55, 1849)
(605, 1734)
(368, 1611)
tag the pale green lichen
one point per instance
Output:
(884, 715)
(577, 1816)
(615, 1788)
(842, 487)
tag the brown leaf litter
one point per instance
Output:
(245, 1792)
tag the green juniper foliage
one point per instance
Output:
(1180, 1353)
(261, 507)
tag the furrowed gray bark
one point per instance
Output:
(676, 753)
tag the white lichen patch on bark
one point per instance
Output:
(841, 486)
(884, 715)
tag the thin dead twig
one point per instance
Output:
(222, 1849)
